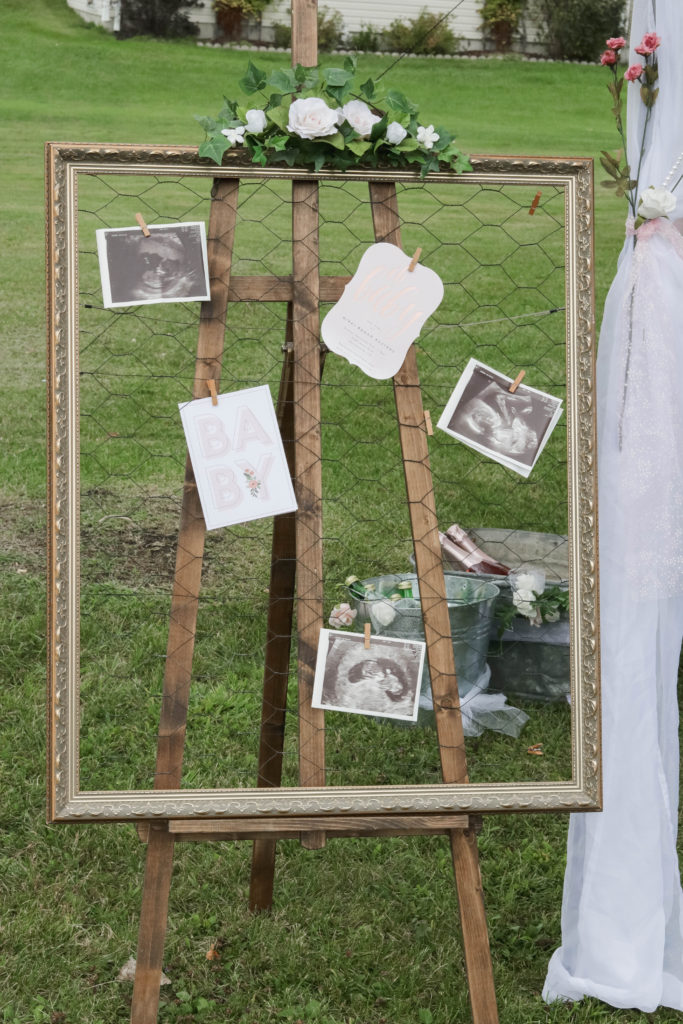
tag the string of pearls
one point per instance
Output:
(674, 168)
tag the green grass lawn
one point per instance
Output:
(364, 932)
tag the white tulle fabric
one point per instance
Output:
(622, 911)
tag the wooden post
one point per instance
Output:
(305, 33)
(308, 480)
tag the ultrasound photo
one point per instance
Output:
(510, 427)
(381, 680)
(168, 266)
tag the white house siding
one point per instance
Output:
(465, 21)
(107, 13)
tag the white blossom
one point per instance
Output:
(427, 136)
(256, 121)
(396, 133)
(235, 136)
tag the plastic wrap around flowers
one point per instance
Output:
(320, 117)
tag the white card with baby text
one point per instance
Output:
(382, 311)
(238, 457)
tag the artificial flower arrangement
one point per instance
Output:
(533, 599)
(321, 117)
(655, 201)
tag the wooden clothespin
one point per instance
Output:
(141, 221)
(534, 203)
(413, 263)
(536, 749)
(212, 388)
(428, 423)
(517, 381)
(367, 636)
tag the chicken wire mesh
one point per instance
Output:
(504, 304)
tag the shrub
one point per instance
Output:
(427, 33)
(366, 38)
(164, 18)
(330, 29)
(282, 35)
(500, 21)
(577, 29)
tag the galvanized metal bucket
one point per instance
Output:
(470, 610)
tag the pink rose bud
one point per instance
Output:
(608, 57)
(617, 43)
(633, 73)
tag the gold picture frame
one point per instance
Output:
(68, 168)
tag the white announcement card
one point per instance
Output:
(237, 456)
(382, 311)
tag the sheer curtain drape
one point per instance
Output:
(622, 911)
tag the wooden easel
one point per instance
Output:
(297, 562)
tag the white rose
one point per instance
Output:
(311, 118)
(359, 116)
(523, 601)
(256, 121)
(342, 615)
(396, 133)
(427, 136)
(235, 136)
(529, 581)
(656, 202)
(552, 616)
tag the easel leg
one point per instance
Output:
(152, 930)
(278, 646)
(183, 620)
(475, 935)
(428, 565)
(308, 481)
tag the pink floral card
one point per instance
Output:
(238, 458)
(382, 311)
